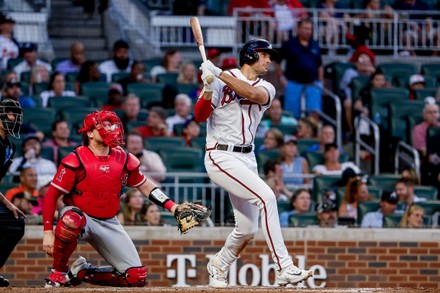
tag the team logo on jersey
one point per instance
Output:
(104, 168)
(60, 175)
(228, 95)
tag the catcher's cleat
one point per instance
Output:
(77, 266)
(56, 279)
(292, 275)
(217, 277)
(4, 282)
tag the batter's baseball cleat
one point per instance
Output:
(217, 277)
(4, 282)
(292, 275)
(56, 279)
(77, 266)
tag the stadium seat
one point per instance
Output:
(398, 69)
(322, 184)
(334, 71)
(60, 103)
(366, 207)
(428, 192)
(286, 129)
(357, 84)
(97, 91)
(317, 158)
(392, 221)
(47, 153)
(258, 142)
(63, 152)
(198, 142)
(75, 115)
(167, 78)
(263, 156)
(25, 77)
(431, 70)
(382, 98)
(38, 101)
(399, 114)
(421, 94)
(5, 186)
(283, 206)
(118, 75)
(304, 143)
(39, 87)
(150, 63)
(183, 159)
(132, 125)
(189, 89)
(163, 142)
(178, 128)
(375, 191)
(148, 93)
(14, 62)
(385, 181)
(45, 115)
(71, 76)
(303, 220)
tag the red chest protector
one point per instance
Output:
(98, 193)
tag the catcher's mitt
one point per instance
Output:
(189, 215)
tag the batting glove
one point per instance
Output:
(208, 65)
(205, 74)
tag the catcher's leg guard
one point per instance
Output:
(108, 276)
(67, 232)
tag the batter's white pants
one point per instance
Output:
(250, 196)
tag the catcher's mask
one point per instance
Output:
(11, 116)
(107, 124)
(249, 52)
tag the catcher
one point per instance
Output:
(91, 179)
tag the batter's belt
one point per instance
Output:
(237, 149)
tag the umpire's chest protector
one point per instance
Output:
(98, 193)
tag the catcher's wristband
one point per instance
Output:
(160, 198)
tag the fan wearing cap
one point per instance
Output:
(388, 206)
(11, 218)
(8, 45)
(233, 106)
(91, 178)
(416, 82)
(12, 90)
(294, 166)
(190, 130)
(327, 213)
(115, 96)
(30, 56)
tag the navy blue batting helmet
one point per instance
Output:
(249, 52)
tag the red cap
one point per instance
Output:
(212, 53)
(228, 63)
(362, 50)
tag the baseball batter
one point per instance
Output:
(234, 105)
(91, 179)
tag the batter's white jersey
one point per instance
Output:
(234, 119)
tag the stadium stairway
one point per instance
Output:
(68, 24)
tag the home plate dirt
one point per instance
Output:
(198, 289)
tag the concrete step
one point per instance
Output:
(97, 55)
(73, 22)
(66, 10)
(79, 32)
(89, 44)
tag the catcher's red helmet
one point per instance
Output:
(108, 125)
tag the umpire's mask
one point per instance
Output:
(11, 116)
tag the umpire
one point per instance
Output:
(11, 218)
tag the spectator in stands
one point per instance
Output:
(150, 161)
(273, 139)
(31, 149)
(39, 74)
(327, 213)
(189, 7)
(331, 165)
(273, 176)
(300, 203)
(413, 217)
(89, 72)
(405, 192)
(156, 125)
(89, 7)
(8, 45)
(326, 136)
(286, 15)
(333, 20)
(214, 55)
(411, 174)
(30, 54)
(229, 63)
(233, 4)
(60, 137)
(303, 70)
(55, 88)
(356, 191)
(183, 108)
(307, 128)
(137, 75)
(131, 106)
(121, 61)
(388, 205)
(28, 183)
(25, 202)
(190, 130)
(275, 116)
(12, 90)
(293, 164)
(131, 210)
(431, 117)
(151, 214)
(170, 63)
(364, 66)
(416, 82)
(187, 74)
(115, 96)
(77, 58)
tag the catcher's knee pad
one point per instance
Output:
(67, 232)
(136, 277)
(70, 225)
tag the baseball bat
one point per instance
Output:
(198, 36)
